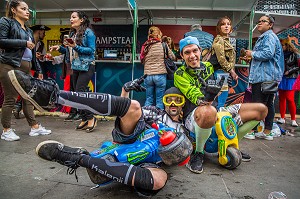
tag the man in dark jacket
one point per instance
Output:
(39, 33)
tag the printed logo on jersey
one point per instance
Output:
(136, 157)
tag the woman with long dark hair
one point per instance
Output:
(79, 50)
(17, 42)
(285, 89)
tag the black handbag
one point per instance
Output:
(169, 63)
(214, 61)
(269, 87)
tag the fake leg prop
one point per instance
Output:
(246, 128)
(201, 137)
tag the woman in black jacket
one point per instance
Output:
(291, 72)
(17, 43)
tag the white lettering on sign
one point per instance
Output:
(114, 40)
(281, 9)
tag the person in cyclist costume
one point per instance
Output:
(132, 120)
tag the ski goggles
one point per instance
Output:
(176, 99)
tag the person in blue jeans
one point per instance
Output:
(224, 94)
(156, 86)
(152, 56)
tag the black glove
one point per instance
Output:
(135, 85)
(212, 89)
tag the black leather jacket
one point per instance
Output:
(13, 41)
(291, 65)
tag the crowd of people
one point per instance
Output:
(200, 89)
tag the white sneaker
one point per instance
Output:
(10, 135)
(294, 123)
(280, 121)
(264, 136)
(250, 136)
(39, 131)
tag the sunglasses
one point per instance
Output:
(262, 21)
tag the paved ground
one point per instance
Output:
(274, 167)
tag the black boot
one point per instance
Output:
(41, 93)
(54, 151)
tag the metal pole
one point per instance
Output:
(251, 27)
(134, 37)
(133, 50)
(33, 20)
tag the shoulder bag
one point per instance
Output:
(169, 63)
(77, 64)
(207, 55)
(269, 87)
(214, 60)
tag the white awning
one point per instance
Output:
(171, 12)
(167, 12)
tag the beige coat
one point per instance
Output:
(154, 60)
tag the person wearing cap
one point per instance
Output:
(39, 33)
(205, 39)
(131, 121)
(267, 65)
(196, 81)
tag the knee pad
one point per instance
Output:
(144, 178)
(177, 151)
(119, 105)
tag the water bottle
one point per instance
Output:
(277, 195)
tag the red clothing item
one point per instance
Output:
(67, 87)
(296, 85)
(286, 96)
